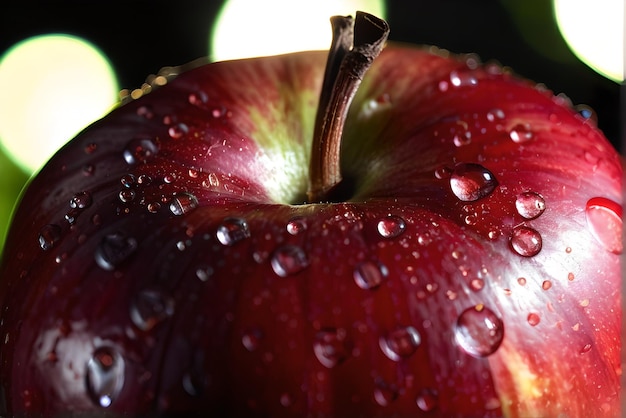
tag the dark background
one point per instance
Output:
(142, 36)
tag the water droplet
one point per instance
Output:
(459, 79)
(81, 200)
(89, 169)
(479, 331)
(546, 285)
(104, 376)
(470, 182)
(604, 220)
(183, 203)
(384, 394)
(251, 338)
(369, 275)
(128, 181)
(462, 139)
(139, 150)
(427, 399)
(391, 226)
(525, 241)
(400, 343)
(521, 281)
(296, 225)
(113, 250)
(204, 272)
(150, 307)
(232, 230)
(198, 98)
(495, 114)
(126, 195)
(530, 204)
(521, 133)
(533, 319)
(49, 235)
(330, 347)
(288, 260)
(145, 111)
(154, 207)
(177, 131)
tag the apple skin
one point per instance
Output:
(162, 261)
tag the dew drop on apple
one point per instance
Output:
(525, 241)
(533, 319)
(479, 331)
(150, 307)
(296, 225)
(126, 195)
(384, 394)
(232, 230)
(400, 343)
(178, 131)
(139, 150)
(183, 203)
(604, 220)
(288, 260)
(252, 338)
(198, 98)
(49, 235)
(391, 226)
(330, 347)
(495, 114)
(530, 204)
(470, 182)
(369, 275)
(81, 200)
(521, 133)
(113, 250)
(427, 399)
(104, 376)
(128, 181)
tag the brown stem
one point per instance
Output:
(356, 43)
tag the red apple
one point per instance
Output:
(209, 249)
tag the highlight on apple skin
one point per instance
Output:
(174, 259)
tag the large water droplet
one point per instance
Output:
(150, 307)
(525, 241)
(391, 226)
(232, 230)
(470, 182)
(113, 250)
(139, 150)
(49, 235)
(183, 203)
(479, 331)
(369, 275)
(530, 204)
(330, 347)
(288, 260)
(604, 220)
(104, 376)
(400, 343)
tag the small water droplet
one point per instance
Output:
(427, 399)
(252, 338)
(154, 207)
(604, 220)
(462, 139)
(183, 203)
(145, 111)
(459, 79)
(530, 204)
(232, 230)
(49, 235)
(369, 275)
(533, 319)
(89, 169)
(546, 285)
(126, 195)
(150, 307)
(104, 376)
(521, 133)
(91, 148)
(384, 394)
(525, 241)
(330, 347)
(495, 114)
(296, 225)
(288, 260)
(139, 150)
(400, 343)
(81, 200)
(521, 281)
(113, 250)
(479, 331)
(177, 131)
(470, 182)
(477, 284)
(204, 272)
(198, 98)
(391, 226)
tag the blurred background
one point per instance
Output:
(135, 38)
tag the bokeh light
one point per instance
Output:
(52, 87)
(595, 33)
(246, 28)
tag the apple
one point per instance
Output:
(347, 233)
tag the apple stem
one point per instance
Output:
(355, 45)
